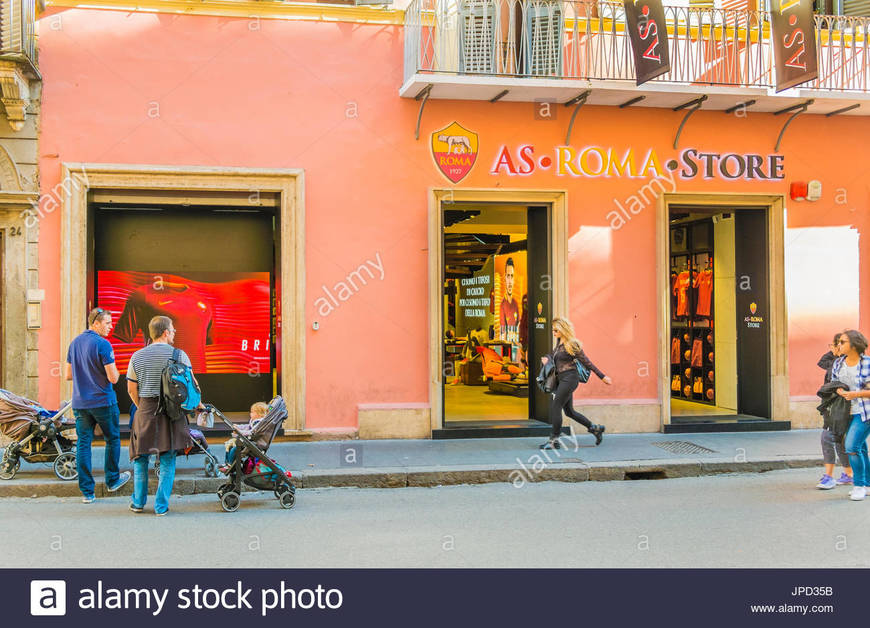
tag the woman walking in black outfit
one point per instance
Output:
(567, 349)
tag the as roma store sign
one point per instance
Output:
(598, 161)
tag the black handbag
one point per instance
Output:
(547, 378)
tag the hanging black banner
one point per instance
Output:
(649, 38)
(794, 42)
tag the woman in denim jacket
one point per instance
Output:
(853, 369)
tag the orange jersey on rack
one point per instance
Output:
(704, 284)
(681, 289)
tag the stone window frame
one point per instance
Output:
(81, 179)
(20, 257)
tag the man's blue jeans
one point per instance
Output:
(856, 447)
(165, 479)
(108, 418)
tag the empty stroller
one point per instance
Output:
(251, 465)
(38, 436)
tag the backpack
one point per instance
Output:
(179, 392)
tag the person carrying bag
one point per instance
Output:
(571, 367)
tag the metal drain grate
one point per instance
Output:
(682, 447)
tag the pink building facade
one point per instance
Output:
(277, 154)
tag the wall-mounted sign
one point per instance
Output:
(794, 42)
(454, 149)
(649, 38)
(598, 161)
(474, 296)
(754, 321)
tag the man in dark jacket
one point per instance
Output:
(153, 432)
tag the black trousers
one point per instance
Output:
(562, 400)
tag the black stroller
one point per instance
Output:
(250, 464)
(38, 435)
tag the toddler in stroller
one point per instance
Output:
(38, 435)
(257, 412)
(251, 466)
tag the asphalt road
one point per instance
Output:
(774, 519)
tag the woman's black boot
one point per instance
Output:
(552, 443)
(598, 432)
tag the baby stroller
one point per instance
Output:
(252, 466)
(196, 445)
(38, 436)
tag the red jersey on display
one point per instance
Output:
(510, 317)
(681, 289)
(704, 284)
(191, 314)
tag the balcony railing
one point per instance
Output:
(17, 32)
(587, 40)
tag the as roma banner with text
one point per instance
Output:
(794, 42)
(649, 38)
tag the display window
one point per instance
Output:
(692, 321)
(217, 286)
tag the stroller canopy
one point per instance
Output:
(263, 434)
(17, 414)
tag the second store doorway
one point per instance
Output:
(719, 315)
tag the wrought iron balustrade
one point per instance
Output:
(587, 40)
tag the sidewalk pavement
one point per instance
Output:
(400, 463)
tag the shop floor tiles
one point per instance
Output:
(681, 407)
(478, 403)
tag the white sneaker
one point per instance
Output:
(858, 493)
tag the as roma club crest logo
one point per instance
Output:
(753, 307)
(454, 149)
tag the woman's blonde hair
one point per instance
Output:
(569, 339)
(260, 409)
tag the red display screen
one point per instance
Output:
(221, 319)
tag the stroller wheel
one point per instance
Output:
(65, 466)
(288, 500)
(8, 470)
(230, 501)
(283, 488)
(210, 469)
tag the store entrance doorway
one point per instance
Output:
(720, 318)
(497, 299)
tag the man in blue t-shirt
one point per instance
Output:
(90, 364)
